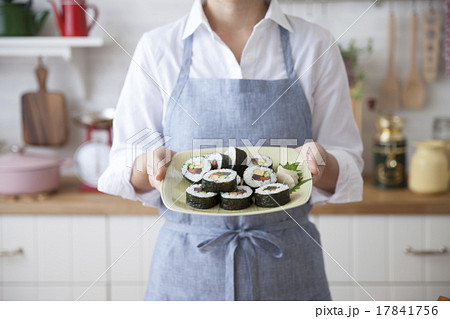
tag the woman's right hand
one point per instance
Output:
(149, 169)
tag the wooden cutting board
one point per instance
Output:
(44, 114)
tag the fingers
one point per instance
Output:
(157, 161)
(312, 164)
(161, 173)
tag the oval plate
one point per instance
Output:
(173, 189)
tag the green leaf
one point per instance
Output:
(295, 167)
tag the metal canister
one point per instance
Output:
(389, 153)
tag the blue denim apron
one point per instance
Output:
(260, 257)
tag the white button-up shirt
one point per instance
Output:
(156, 64)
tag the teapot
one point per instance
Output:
(17, 18)
(71, 18)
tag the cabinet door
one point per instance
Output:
(153, 223)
(406, 231)
(437, 235)
(127, 292)
(336, 236)
(408, 293)
(370, 248)
(19, 231)
(54, 237)
(89, 248)
(132, 240)
(18, 292)
(55, 293)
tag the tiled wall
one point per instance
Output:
(127, 20)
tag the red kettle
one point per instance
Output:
(71, 19)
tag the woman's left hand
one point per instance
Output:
(322, 165)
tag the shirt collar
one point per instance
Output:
(197, 17)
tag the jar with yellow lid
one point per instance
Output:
(428, 173)
(389, 153)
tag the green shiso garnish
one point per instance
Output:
(295, 167)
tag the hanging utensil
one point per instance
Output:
(431, 35)
(44, 114)
(413, 91)
(390, 90)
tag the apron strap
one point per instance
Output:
(183, 76)
(287, 53)
(249, 239)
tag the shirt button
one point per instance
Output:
(249, 57)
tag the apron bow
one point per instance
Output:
(247, 239)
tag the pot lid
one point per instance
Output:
(17, 160)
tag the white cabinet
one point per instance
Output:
(63, 255)
(19, 232)
(372, 250)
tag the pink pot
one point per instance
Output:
(22, 173)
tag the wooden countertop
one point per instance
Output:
(68, 200)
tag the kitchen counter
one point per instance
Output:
(68, 200)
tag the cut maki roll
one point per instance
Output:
(272, 195)
(257, 176)
(260, 160)
(194, 169)
(196, 197)
(219, 161)
(219, 180)
(238, 159)
(241, 198)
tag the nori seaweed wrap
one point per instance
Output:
(272, 195)
(196, 197)
(241, 198)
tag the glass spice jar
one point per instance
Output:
(389, 151)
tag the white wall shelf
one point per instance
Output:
(70, 49)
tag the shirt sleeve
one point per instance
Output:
(138, 118)
(334, 127)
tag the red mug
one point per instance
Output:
(71, 19)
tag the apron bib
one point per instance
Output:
(259, 257)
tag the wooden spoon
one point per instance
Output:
(390, 90)
(413, 92)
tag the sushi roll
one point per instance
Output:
(238, 159)
(260, 160)
(257, 176)
(219, 161)
(241, 198)
(196, 197)
(238, 180)
(219, 180)
(272, 195)
(194, 169)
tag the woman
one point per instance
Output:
(216, 73)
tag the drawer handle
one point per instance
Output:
(411, 251)
(11, 253)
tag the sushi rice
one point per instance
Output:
(219, 161)
(219, 180)
(194, 168)
(260, 160)
(257, 176)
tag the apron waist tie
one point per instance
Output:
(245, 238)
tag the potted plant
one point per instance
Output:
(356, 77)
